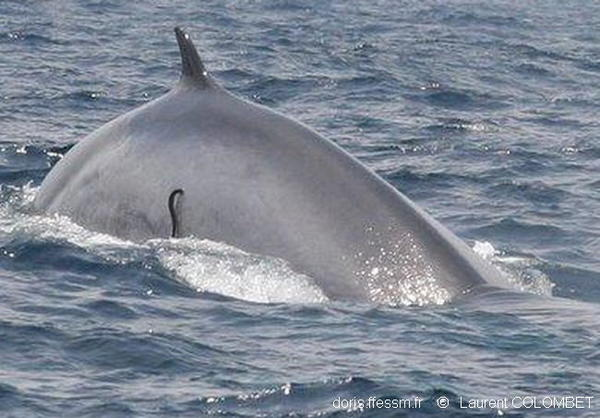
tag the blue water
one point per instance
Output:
(485, 113)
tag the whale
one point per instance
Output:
(200, 162)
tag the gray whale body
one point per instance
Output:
(252, 178)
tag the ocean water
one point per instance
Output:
(484, 113)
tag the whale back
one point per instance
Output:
(255, 179)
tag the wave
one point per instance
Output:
(202, 264)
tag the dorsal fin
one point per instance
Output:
(192, 69)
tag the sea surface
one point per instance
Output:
(486, 113)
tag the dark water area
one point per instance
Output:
(484, 113)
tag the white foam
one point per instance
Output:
(218, 268)
(521, 272)
(17, 222)
(484, 249)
